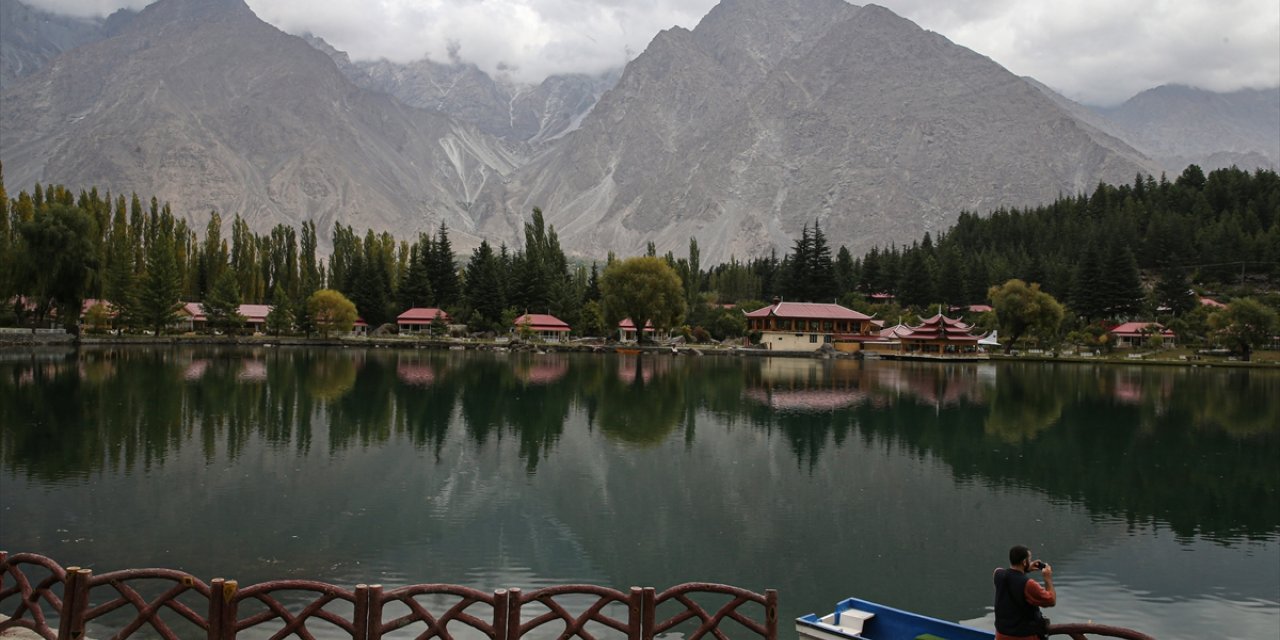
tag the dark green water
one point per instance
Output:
(1152, 491)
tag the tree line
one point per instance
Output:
(1117, 253)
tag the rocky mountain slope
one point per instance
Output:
(204, 105)
(1179, 125)
(773, 114)
(767, 116)
(30, 38)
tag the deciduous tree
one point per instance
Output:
(331, 312)
(1021, 308)
(1245, 324)
(643, 289)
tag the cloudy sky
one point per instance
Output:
(1093, 51)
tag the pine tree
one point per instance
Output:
(822, 273)
(845, 271)
(121, 284)
(484, 289)
(280, 318)
(222, 305)
(415, 286)
(441, 270)
(158, 297)
(1088, 299)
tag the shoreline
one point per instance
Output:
(27, 341)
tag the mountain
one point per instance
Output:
(770, 115)
(30, 38)
(204, 105)
(1179, 125)
(514, 112)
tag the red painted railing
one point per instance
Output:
(35, 592)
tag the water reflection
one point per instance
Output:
(1195, 448)
(529, 469)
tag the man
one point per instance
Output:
(1019, 598)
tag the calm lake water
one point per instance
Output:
(1152, 491)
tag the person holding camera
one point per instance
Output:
(1019, 598)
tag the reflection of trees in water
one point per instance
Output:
(330, 375)
(642, 404)
(1022, 407)
(1193, 448)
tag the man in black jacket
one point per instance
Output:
(1019, 598)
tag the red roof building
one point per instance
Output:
(419, 319)
(806, 326)
(543, 326)
(627, 329)
(1137, 334)
(939, 336)
(192, 316)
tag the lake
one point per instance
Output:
(1153, 491)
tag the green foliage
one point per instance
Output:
(1245, 324)
(485, 292)
(331, 312)
(643, 289)
(57, 261)
(280, 318)
(1022, 309)
(161, 283)
(222, 306)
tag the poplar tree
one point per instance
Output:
(161, 285)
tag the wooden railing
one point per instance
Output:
(38, 594)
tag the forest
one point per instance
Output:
(1143, 250)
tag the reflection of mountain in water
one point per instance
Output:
(1193, 448)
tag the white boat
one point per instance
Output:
(855, 619)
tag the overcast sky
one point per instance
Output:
(1094, 51)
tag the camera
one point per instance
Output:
(1038, 565)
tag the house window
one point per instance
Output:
(827, 338)
(813, 338)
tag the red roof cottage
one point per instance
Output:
(627, 330)
(419, 319)
(543, 326)
(1136, 334)
(806, 326)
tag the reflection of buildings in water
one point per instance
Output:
(195, 370)
(415, 374)
(818, 400)
(806, 385)
(938, 385)
(542, 370)
(252, 371)
(1127, 387)
(633, 367)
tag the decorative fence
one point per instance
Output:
(56, 603)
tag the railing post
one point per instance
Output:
(362, 621)
(501, 602)
(75, 601)
(648, 613)
(635, 615)
(771, 614)
(215, 609)
(227, 621)
(513, 614)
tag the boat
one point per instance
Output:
(626, 351)
(862, 620)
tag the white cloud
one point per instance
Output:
(1105, 51)
(1095, 51)
(530, 39)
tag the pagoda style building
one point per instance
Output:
(939, 337)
